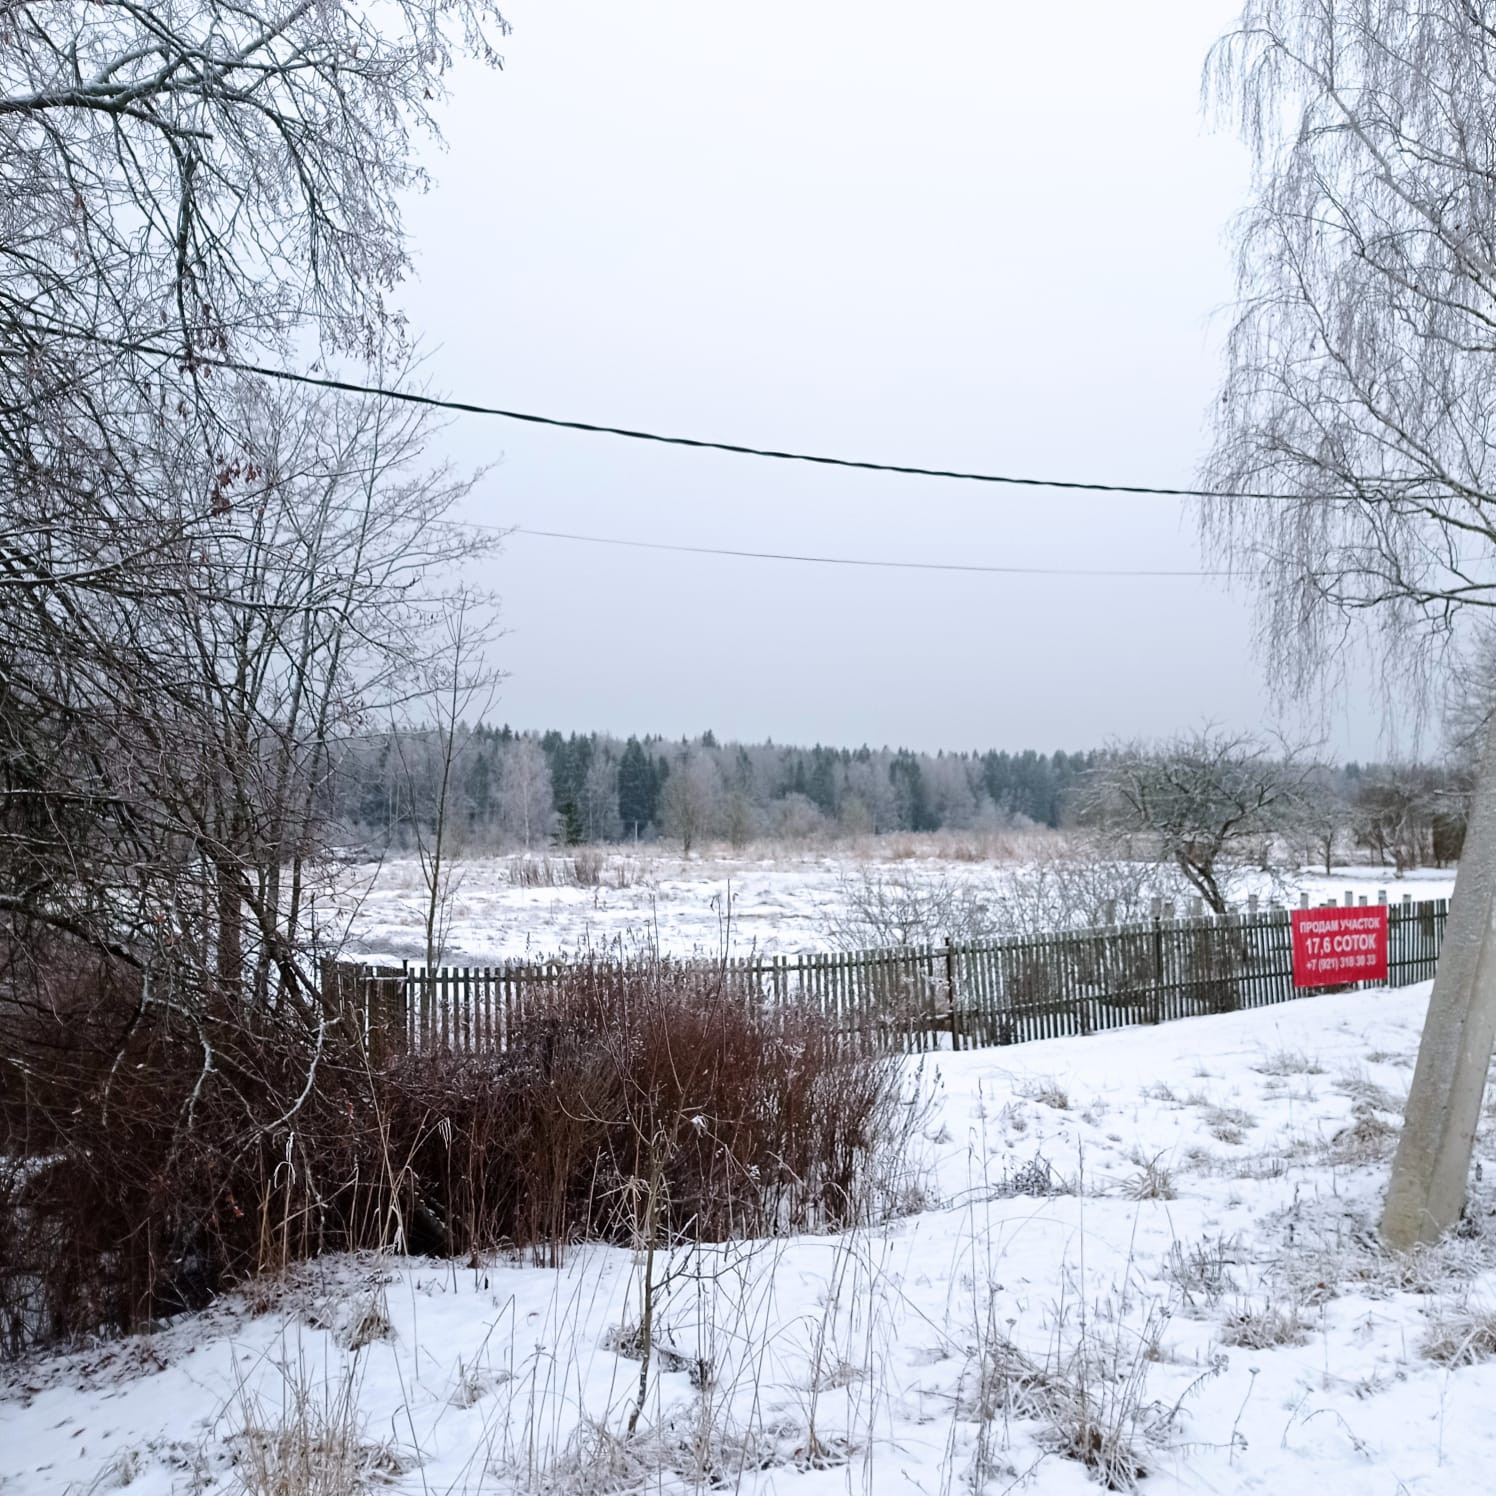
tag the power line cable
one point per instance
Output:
(469, 407)
(861, 561)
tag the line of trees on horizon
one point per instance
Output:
(515, 790)
(526, 789)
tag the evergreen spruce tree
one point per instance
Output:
(638, 789)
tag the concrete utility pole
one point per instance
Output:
(1431, 1171)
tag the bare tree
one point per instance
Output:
(182, 186)
(1323, 818)
(1360, 386)
(205, 583)
(600, 818)
(1469, 696)
(188, 721)
(883, 908)
(458, 681)
(1355, 422)
(690, 796)
(197, 180)
(526, 804)
(1204, 803)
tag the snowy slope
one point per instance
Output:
(1210, 1293)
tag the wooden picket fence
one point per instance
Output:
(960, 995)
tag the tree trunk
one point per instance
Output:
(1431, 1170)
(230, 931)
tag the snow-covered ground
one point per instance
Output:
(1207, 1289)
(776, 904)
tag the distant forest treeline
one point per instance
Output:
(508, 788)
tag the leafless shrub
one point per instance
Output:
(752, 1120)
(1461, 1335)
(1037, 1177)
(23, 1308)
(536, 872)
(1285, 1062)
(1261, 1327)
(1153, 1181)
(1203, 1273)
(587, 869)
(1084, 883)
(313, 1444)
(1049, 1092)
(880, 909)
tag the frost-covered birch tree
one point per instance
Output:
(1356, 427)
(526, 799)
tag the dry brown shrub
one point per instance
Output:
(158, 1153)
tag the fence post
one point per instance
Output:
(335, 987)
(950, 992)
(1158, 960)
(376, 1003)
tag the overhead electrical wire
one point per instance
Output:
(862, 561)
(469, 407)
(629, 433)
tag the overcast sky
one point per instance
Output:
(972, 235)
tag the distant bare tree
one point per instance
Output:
(690, 797)
(1323, 818)
(599, 799)
(1085, 881)
(883, 908)
(1411, 815)
(1202, 802)
(526, 800)
(457, 682)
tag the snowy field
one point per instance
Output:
(1202, 1301)
(777, 904)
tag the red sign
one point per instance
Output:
(1333, 946)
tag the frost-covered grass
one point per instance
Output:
(776, 899)
(1111, 1290)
